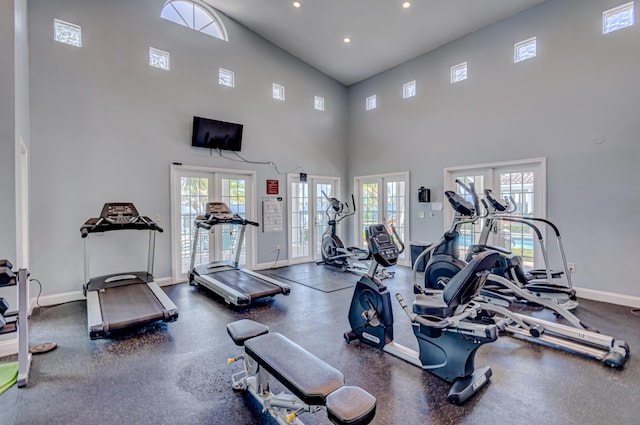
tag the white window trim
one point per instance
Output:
(454, 68)
(616, 10)
(212, 13)
(251, 242)
(224, 71)
(160, 53)
(70, 25)
(405, 89)
(281, 88)
(371, 103)
(516, 59)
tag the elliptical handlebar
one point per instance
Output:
(341, 210)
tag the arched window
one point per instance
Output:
(196, 15)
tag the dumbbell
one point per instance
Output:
(5, 272)
(4, 305)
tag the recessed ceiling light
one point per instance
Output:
(347, 40)
(297, 4)
(406, 4)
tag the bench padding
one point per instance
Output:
(305, 375)
(351, 406)
(244, 329)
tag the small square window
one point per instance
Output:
(370, 103)
(318, 103)
(409, 89)
(459, 72)
(617, 18)
(524, 50)
(278, 91)
(159, 58)
(226, 77)
(64, 32)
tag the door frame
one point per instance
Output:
(403, 175)
(176, 170)
(311, 180)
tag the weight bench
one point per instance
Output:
(314, 384)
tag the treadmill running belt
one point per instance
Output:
(246, 283)
(130, 305)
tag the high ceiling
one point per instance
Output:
(383, 33)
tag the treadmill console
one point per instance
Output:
(119, 212)
(220, 213)
(381, 245)
(118, 216)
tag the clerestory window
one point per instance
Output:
(196, 15)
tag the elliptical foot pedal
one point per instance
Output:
(43, 348)
(463, 388)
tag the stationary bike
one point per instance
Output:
(447, 339)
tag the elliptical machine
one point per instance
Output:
(444, 262)
(447, 339)
(334, 253)
(499, 293)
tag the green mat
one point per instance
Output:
(8, 375)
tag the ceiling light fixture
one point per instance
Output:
(406, 4)
(297, 4)
(347, 40)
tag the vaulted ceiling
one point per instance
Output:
(383, 33)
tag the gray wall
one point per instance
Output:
(580, 87)
(7, 131)
(105, 126)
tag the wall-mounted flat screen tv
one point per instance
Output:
(214, 134)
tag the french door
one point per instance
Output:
(382, 199)
(524, 182)
(307, 218)
(192, 188)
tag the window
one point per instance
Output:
(226, 77)
(196, 15)
(64, 32)
(458, 72)
(278, 92)
(318, 103)
(370, 103)
(524, 50)
(618, 18)
(409, 89)
(524, 182)
(159, 58)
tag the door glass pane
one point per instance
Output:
(233, 194)
(370, 212)
(470, 232)
(321, 217)
(514, 236)
(395, 202)
(194, 195)
(299, 219)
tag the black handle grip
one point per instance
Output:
(252, 223)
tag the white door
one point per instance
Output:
(524, 181)
(307, 218)
(382, 200)
(192, 189)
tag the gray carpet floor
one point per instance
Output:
(177, 373)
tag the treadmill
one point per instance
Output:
(117, 302)
(235, 284)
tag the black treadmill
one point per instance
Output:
(117, 302)
(237, 285)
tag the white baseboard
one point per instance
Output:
(166, 281)
(608, 297)
(9, 347)
(266, 266)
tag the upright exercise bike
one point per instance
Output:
(441, 321)
(334, 252)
